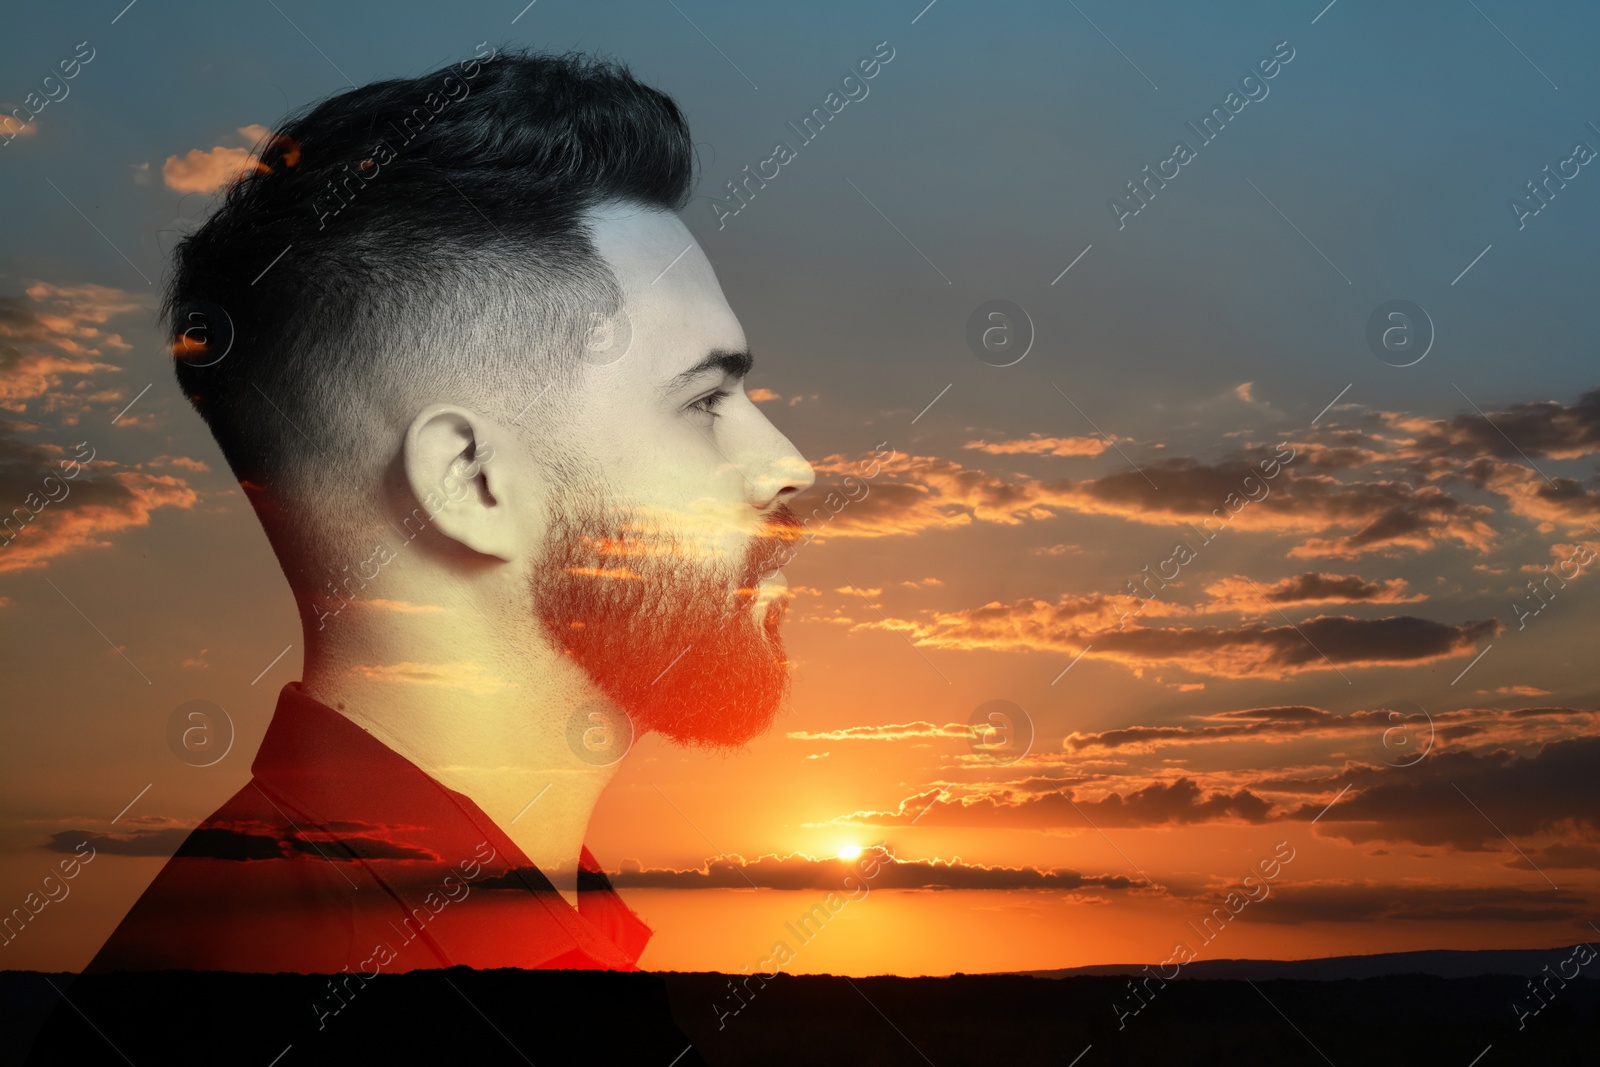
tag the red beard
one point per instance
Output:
(673, 641)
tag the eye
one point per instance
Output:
(707, 405)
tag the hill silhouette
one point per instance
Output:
(672, 1019)
(1439, 963)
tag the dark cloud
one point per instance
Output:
(54, 344)
(1469, 800)
(246, 843)
(1323, 643)
(162, 842)
(1562, 856)
(1179, 802)
(874, 868)
(1270, 723)
(1069, 626)
(1240, 593)
(1390, 729)
(54, 501)
(1302, 498)
(1367, 903)
(1560, 500)
(1540, 428)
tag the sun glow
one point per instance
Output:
(849, 852)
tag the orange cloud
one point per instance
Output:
(467, 675)
(207, 171)
(181, 462)
(1241, 594)
(887, 732)
(1073, 623)
(912, 494)
(798, 871)
(401, 607)
(1043, 446)
(1555, 503)
(45, 519)
(1540, 428)
(1178, 802)
(54, 334)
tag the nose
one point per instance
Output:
(781, 473)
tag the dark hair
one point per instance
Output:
(413, 232)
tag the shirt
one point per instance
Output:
(340, 854)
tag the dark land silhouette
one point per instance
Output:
(1215, 1012)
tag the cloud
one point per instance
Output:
(468, 675)
(49, 514)
(1560, 501)
(1179, 802)
(762, 396)
(876, 868)
(207, 171)
(1541, 428)
(913, 494)
(1346, 519)
(162, 842)
(887, 732)
(1088, 625)
(1467, 800)
(1043, 446)
(1365, 902)
(1269, 724)
(1557, 857)
(1239, 593)
(54, 334)
(182, 463)
(401, 607)
(10, 126)
(1390, 730)
(245, 842)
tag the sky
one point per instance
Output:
(1336, 349)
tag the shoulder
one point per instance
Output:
(249, 889)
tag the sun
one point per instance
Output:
(849, 852)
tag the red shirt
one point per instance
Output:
(341, 854)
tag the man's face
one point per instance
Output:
(670, 510)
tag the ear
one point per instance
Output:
(463, 491)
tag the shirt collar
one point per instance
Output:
(351, 786)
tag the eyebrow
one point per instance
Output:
(733, 364)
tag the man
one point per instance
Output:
(485, 394)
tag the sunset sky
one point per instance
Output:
(1348, 657)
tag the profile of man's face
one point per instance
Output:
(667, 513)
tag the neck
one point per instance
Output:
(491, 723)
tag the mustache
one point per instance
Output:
(781, 522)
(780, 527)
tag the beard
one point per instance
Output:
(672, 639)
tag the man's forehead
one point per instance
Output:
(652, 253)
(671, 289)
